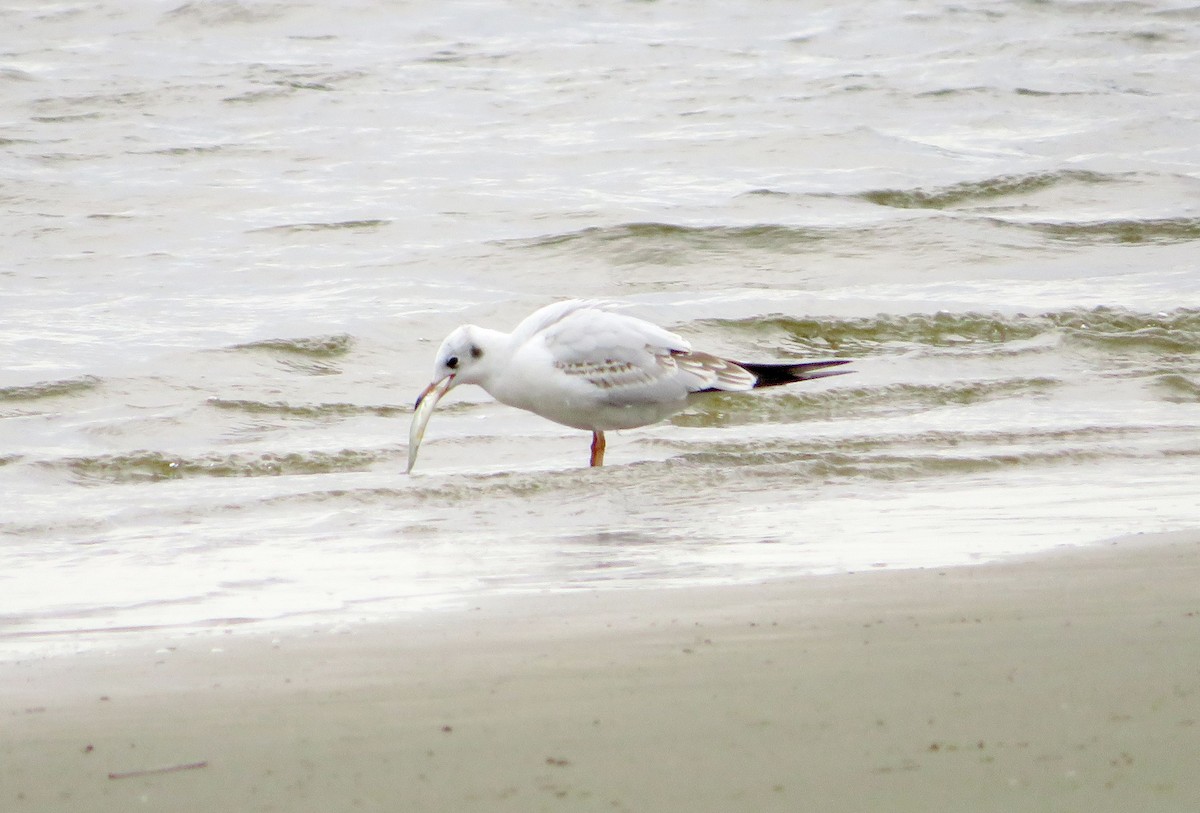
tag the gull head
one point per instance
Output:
(460, 360)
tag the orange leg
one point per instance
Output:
(597, 448)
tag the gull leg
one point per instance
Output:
(597, 448)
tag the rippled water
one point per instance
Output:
(234, 232)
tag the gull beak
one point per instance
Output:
(426, 401)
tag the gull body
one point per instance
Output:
(580, 364)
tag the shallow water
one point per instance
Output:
(234, 233)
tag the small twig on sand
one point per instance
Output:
(190, 766)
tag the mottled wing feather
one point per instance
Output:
(620, 358)
(625, 359)
(608, 374)
(715, 373)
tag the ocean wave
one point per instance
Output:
(702, 466)
(1177, 388)
(1126, 231)
(49, 389)
(934, 454)
(989, 189)
(151, 466)
(720, 409)
(664, 243)
(304, 411)
(292, 228)
(331, 346)
(1175, 331)
(226, 12)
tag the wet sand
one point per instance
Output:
(1066, 682)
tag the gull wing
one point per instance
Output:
(623, 359)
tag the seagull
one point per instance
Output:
(583, 365)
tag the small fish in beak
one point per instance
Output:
(422, 411)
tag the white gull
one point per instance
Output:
(583, 365)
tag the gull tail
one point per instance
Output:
(772, 375)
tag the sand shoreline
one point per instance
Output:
(1069, 681)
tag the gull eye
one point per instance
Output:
(476, 351)
(452, 362)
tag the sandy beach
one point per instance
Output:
(1066, 682)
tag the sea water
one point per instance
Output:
(234, 233)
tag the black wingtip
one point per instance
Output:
(773, 375)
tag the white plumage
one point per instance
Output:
(583, 365)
